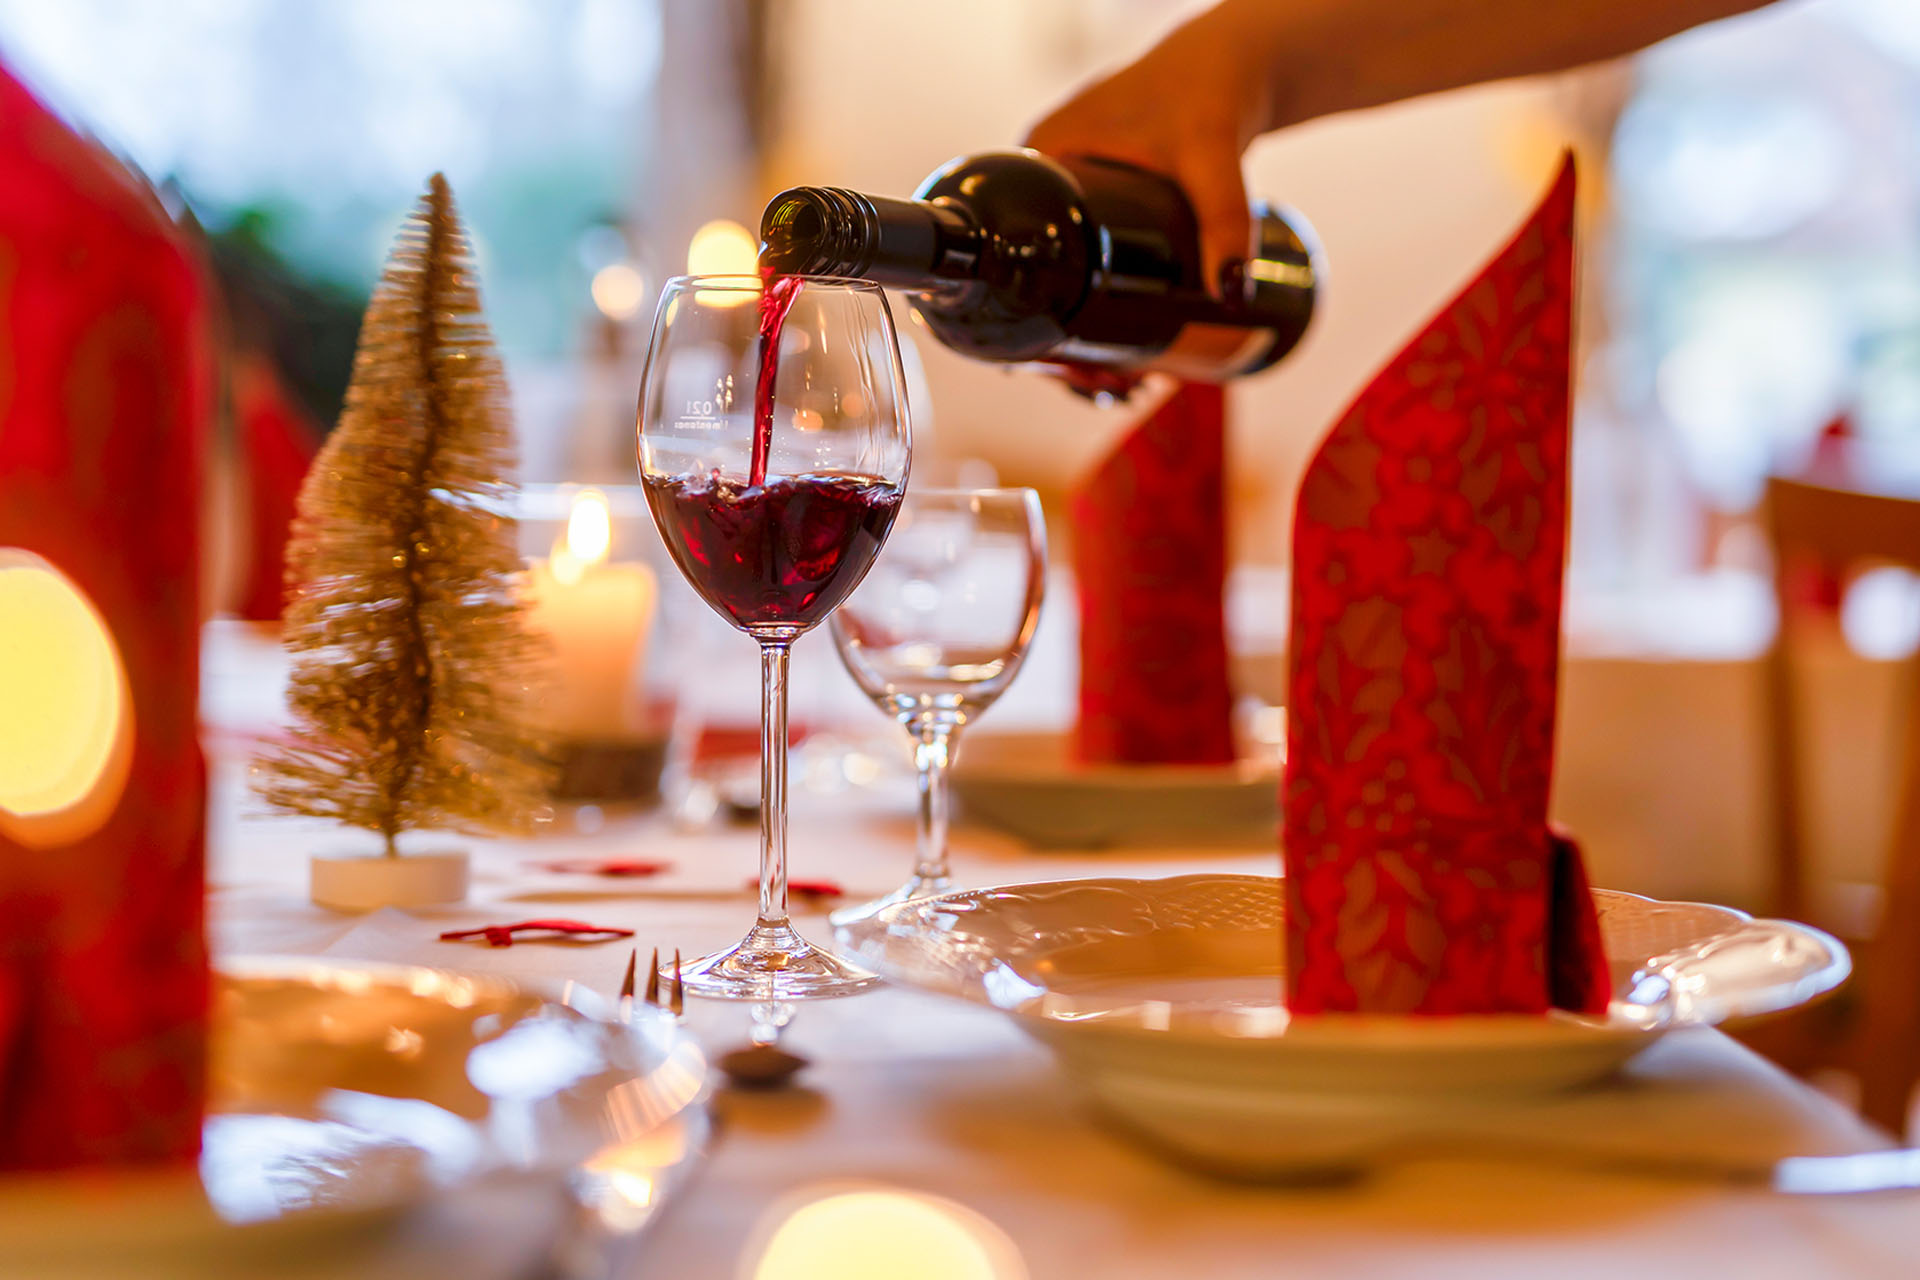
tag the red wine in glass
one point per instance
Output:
(783, 553)
(780, 554)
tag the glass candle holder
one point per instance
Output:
(593, 591)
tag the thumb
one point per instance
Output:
(1212, 180)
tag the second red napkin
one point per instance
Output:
(1428, 543)
(1150, 557)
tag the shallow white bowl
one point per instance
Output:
(1163, 999)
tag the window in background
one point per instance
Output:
(1767, 246)
(317, 124)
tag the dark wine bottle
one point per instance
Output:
(1090, 264)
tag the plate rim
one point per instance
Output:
(1349, 1031)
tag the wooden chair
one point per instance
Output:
(1836, 521)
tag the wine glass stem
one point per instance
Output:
(932, 752)
(773, 783)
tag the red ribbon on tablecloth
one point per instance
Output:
(504, 935)
(612, 868)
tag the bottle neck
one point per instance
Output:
(831, 231)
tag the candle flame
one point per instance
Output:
(588, 539)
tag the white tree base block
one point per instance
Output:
(366, 883)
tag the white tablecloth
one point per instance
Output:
(907, 1091)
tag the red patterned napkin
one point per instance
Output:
(104, 401)
(1428, 544)
(1150, 557)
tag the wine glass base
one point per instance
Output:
(918, 887)
(774, 964)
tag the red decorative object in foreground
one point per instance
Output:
(1150, 559)
(105, 398)
(615, 868)
(1428, 546)
(502, 935)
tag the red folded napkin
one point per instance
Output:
(105, 380)
(1150, 559)
(276, 443)
(1428, 544)
(503, 935)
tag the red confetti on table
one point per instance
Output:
(1150, 561)
(808, 888)
(616, 868)
(105, 404)
(1428, 546)
(503, 935)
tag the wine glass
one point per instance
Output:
(937, 633)
(773, 449)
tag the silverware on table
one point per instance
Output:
(759, 1064)
(1896, 1170)
(673, 1000)
(626, 987)
(1859, 1173)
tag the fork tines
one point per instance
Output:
(653, 979)
(626, 986)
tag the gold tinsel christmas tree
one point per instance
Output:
(409, 657)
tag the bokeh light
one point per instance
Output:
(619, 290)
(878, 1234)
(722, 248)
(64, 708)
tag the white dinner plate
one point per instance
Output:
(366, 1120)
(1028, 785)
(1162, 998)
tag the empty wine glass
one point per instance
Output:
(936, 634)
(773, 447)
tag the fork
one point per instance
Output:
(674, 1001)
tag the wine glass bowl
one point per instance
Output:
(773, 446)
(937, 632)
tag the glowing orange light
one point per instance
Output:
(863, 1235)
(723, 248)
(65, 712)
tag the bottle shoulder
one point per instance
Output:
(1036, 250)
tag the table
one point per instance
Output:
(911, 1092)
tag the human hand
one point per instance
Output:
(1187, 108)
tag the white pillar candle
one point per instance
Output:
(595, 618)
